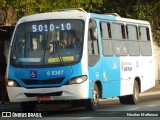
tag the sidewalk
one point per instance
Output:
(153, 91)
(156, 88)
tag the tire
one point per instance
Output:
(134, 98)
(76, 103)
(124, 99)
(131, 99)
(92, 104)
(28, 106)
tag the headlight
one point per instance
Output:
(78, 80)
(12, 83)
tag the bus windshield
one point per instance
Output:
(47, 43)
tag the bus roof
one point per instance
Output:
(128, 20)
(78, 13)
(54, 15)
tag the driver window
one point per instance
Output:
(93, 38)
(93, 48)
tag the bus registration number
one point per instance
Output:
(55, 73)
(44, 98)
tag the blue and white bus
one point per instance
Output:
(80, 57)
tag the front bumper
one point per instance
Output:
(66, 92)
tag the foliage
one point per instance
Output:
(136, 9)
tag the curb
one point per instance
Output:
(150, 93)
(112, 100)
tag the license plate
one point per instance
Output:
(44, 98)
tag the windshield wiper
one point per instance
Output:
(59, 53)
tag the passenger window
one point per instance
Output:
(106, 38)
(132, 42)
(105, 30)
(118, 31)
(132, 32)
(145, 43)
(119, 39)
(144, 33)
(148, 35)
(123, 32)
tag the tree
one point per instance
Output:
(12, 10)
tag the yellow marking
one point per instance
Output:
(57, 59)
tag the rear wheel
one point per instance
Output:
(28, 106)
(92, 104)
(124, 99)
(131, 99)
(135, 97)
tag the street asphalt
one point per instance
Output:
(153, 91)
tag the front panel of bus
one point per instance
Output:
(46, 60)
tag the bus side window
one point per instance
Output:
(106, 38)
(93, 48)
(123, 32)
(93, 38)
(145, 42)
(132, 42)
(119, 39)
(148, 35)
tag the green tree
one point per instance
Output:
(12, 10)
(156, 21)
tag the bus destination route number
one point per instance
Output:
(51, 27)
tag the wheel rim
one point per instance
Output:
(136, 92)
(95, 98)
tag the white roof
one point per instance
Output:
(128, 20)
(54, 15)
(75, 13)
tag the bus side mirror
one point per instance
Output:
(93, 30)
(94, 34)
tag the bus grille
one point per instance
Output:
(43, 94)
(43, 82)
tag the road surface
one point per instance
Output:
(148, 106)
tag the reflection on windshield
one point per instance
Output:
(48, 42)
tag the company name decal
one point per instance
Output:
(126, 66)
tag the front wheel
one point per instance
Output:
(76, 103)
(92, 104)
(28, 106)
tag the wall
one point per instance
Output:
(157, 61)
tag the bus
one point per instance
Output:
(79, 57)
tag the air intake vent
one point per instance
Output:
(43, 82)
(43, 94)
(114, 14)
(72, 10)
